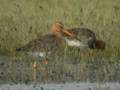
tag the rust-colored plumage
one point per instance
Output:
(99, 44)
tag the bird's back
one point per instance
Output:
(81, 32)
(43, 43)
(84, 36)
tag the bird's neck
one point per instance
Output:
(57, 36)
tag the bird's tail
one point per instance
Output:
(99, 44)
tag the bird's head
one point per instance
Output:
(59, 30)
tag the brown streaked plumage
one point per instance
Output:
(85, 37)
(47, 43)
(43, 47)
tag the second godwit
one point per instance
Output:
(78, 37)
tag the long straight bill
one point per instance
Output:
(68, 33)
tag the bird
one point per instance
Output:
(82, 38)
(78, 37)
(42, 46)
(46, 45)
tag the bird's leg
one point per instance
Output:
(34, 66)
(46, 61)
(46, 68)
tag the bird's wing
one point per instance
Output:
(43, 43)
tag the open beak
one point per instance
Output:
(68, 33)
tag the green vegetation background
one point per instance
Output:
(24, 20)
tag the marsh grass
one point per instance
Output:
(22, 21)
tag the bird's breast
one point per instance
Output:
(38, 54)
(76, 43)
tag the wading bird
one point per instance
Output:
(78, 37)
(45, 45)
(81, 38)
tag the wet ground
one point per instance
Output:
(66, 86)
(20, 70)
